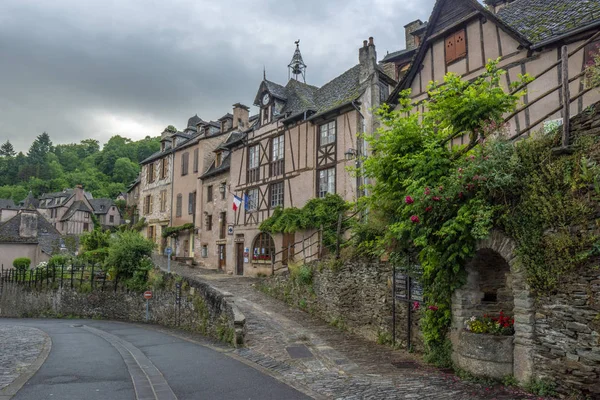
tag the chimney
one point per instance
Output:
(409, 28)
(495, 5)
(29, 224)
(79, 194)
(367, 58)
(240, 116)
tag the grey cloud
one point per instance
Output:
(98, 68)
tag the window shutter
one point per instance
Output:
(150, 207)
(450, 49)
(196, 160)
(461, 44)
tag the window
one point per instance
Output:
(277, 190)
(163, 200)
(179, 205)
(150, 172)
(111, 219)
(253, 163)
(327, 133)
(209, 222)
(163, 168)
(252, 200)
(384, 91)
(263, 247)
(86, 226)
(191, 203)
(456, 46)
(86, 216)
(218, 159)
(204, 250)
(148, 204)
(326, 183)
(209, 193)
(222, 225)
(185, 160)
(196, 152)
(151, 232)
(223, 190)
(277, 153)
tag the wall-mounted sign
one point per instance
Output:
(230, 229)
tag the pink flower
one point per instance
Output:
(416, 305)
(415, 219)
(460, 195)
(427, 191)
(428, 208)
(472, 157)
(460, 170)
(441, 188)
(475, 177)
(433, 308)
(435, 198)
(408, 200)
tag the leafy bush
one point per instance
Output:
(302, 274)
(59, 260)
(127, 254)
(21, 263)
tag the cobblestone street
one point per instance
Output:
(332, 363)
(20, 347)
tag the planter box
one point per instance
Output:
(484, 355)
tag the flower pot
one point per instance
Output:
(484, 355)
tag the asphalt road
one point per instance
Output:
(97, 360)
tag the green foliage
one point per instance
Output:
(21, 263)
(128, 254)
(316, 213)
(301, 275)
(59, 260)
(541, 387)
(173, 231)
(435, 200)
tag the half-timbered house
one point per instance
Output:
(304, 140)
(527, 36)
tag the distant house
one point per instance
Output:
(8, 209)
(69, 211)
(27, 234)
(122, 196)
(107, 212)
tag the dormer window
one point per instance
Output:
(218, 159)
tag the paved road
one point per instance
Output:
(97, 360)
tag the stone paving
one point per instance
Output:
(340, 365)
(20, 346)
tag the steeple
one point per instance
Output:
(297, 67)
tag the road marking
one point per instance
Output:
(148, 382)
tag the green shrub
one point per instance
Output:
(21, 263)
(59, 260)
(302, 274)
(129, 253)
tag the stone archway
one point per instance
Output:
(494, 283)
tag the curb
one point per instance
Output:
(9, 391)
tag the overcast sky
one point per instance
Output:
(95, 68)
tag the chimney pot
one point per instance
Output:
(371, 41)
(364, 43)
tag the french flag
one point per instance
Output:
(236, 202)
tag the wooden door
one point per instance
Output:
(288, 247)
(239, 262)
(222, 257)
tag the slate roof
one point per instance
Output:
(47, 235)
(543, 20)
(226, 116)
(7, 203)
(78, 205)
(101, 206)
(398, 54)
(232, 139)
(276, 89)
(193, 121)
(29, 202)
(212, 170)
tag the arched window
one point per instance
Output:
(263, 247)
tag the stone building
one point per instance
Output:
(527, 36)
(8, 209)
(27, 234)
(107, 213)
(69, 211)
(300, 148)
(132, 200)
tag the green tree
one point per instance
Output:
(7, 150)
(125, 170)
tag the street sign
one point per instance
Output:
(148, 294)
(169, 251)
(230, 230)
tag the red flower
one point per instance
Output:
(433, 308)
(416, 305)
(435, 198)
(408, 200)
(427, 191)
(415, 219)
(428, 208)
(460, 195)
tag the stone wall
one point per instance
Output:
(202, 308)
(356, 296)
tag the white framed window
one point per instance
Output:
(253, 163)
(252, 200)
(277, 190)
(326, 183)
(277, 148)
(327, 133)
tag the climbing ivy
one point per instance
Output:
(173, 231)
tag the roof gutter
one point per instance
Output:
(546, 42)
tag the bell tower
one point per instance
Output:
(297, 68)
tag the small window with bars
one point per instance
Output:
(327, 135)
(277, 191)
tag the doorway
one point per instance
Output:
(222, 257)
(239, 261)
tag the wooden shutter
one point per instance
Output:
(450, 49)
(150, 206)
(461, 44)
(196, 160)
